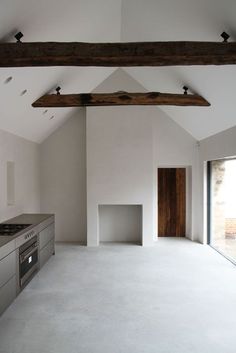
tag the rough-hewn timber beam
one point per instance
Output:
(117, 54)
(119, 98)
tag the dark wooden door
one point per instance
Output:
(171, 202)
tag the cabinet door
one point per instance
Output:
(46, 253)
(7, 249)
(7, 294)
(7, 268)
(46, 235)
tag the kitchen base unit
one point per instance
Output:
(7, 275)
(46, 243)
(7, 294)
(26, 244)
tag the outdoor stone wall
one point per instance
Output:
(230, 227)
(218, 204)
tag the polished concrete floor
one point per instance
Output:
(178, 296)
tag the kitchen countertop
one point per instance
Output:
(26, 218)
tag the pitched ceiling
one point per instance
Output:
(51, 20)
(112, 20)
(201, 20)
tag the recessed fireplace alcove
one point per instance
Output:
(120, 223)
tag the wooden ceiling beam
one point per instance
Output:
(117, 54)
(118, 99)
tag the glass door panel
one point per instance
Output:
(223, 207)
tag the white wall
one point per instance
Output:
(219, 146)
(120, 223)
(174, 147)
(119, 155)
(63, 178)
(119, 164)
(125, 146)
(215, 147)
(25, 155)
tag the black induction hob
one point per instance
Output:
(12, 229)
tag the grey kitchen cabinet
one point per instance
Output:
(7, 294)
(46, 235)
(46, 243)
(46, 252)
(7, 279)
(7, 268)
(7, 249)
(42, 229)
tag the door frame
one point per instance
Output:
(188, 224)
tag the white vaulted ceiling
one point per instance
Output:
(112, 21)
(197, 20)
(51, 20)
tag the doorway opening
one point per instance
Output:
(222, 206)
(171, 202)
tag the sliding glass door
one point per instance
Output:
(222, 206)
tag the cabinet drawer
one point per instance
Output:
(7, 268)
(7, 249)
(7, 294)
(46, 235)
(46, 252)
